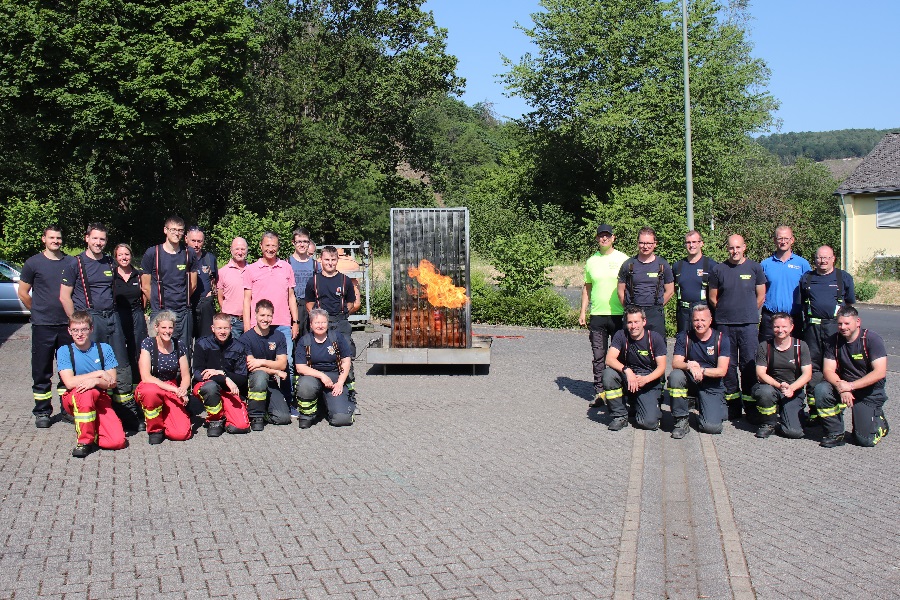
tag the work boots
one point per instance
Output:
(681, 428)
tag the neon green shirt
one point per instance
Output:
(602, 272)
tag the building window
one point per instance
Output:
(888, 213)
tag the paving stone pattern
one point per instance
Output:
(501, 485)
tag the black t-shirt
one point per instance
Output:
(689, 279)
(207, 274)
(95, 277)
(167, 367)
(174, 270)
(705, 353)
(736, 303)
(852, 361)
(266, 347)
(322, 355)
(646, 280)
(331, 293)
(783, 367)
(45, 275)
(128, 293)
(639, 355)
(822, 291)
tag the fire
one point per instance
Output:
(438, 288)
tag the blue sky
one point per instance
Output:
(834, 64)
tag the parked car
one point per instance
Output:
(9, 290)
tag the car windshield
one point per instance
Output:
(8, 272)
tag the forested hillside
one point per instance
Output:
(822, 145)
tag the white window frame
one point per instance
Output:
(887, 213)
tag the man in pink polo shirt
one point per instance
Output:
(230, 287)
(273, 279)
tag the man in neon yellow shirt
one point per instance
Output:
(600, 294)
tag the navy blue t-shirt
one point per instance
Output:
(689, 279)
(94, 276)
(207, 274)
(736, 284)
(646, 280)
(707, 353)
(331, 293)
(640, 355)
(854, 360)
(822, 291)
(45, 275)
(265, 347)
(322, 355)
(303, 271)
(173, 273)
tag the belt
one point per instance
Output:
(684, 304)
(818, 321)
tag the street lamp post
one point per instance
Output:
(689, 174)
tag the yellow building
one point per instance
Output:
(870, 206)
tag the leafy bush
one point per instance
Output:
(540, 308)
(865, 290)
(250, 226)
(380, 302)
(523, 260)
(23, 225)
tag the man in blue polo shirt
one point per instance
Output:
(783, 272)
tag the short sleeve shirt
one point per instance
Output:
(647, 280)
(303, 270)
(783, 367)
(45, 275)
(231, 284)
(602, 271)
(639, 356)
(128, 293)
(822, 293)
(689, 280)
(93, 276)
(272, 282)
(168, 284)
(707, 353)
(167, 368)
(265, 347)
(207, 274)
(736, 284)
(85, 361)
(851, 357)
(322, 355)
(331, 293)
(783, 280)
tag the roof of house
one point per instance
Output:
(879, 171)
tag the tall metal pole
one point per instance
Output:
(689, 172)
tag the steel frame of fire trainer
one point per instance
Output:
(420, 332)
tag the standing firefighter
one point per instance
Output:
(646, 280)
(822, 293)
(691, 279)
(699, 362)
(783, 369)
(635, 366)
(855, 368)
(600, 300)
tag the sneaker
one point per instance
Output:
(295, 413)
(42, 421)
(157, 437)
(215, 428)
(236, 430)
(66, 417)
(82, 450)
(681, 428)
(257, 423)
(832, 441)
(618, 424)
(765, 430)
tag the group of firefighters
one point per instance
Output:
(279, 322)
(778, 342)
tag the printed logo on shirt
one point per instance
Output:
(182, 267)
(107, 273)
(644, 352)
(793, 266)
(271, 345)
(339, 291)
(700, 272)
(710, 350)
(654, 275)
(746, 276)
(331, 350)
(856, 356)
(205, 268)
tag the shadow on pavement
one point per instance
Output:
(12, 328)
(576, 387)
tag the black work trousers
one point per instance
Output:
(600, 329)
(45, 339)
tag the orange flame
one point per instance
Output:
(439, 288)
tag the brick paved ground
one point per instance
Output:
(449, 486)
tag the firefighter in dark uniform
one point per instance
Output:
(691, 279)
(323, 360)
(87, 285)
(855, 368)
(635, 366)
(646, 280)
(783, 369)
(267, 364)
(42, 276)
(220, 376)
(699, 363)
(822, 292)
(737, 290)
(203, 297)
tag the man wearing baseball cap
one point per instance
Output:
(600, 295)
